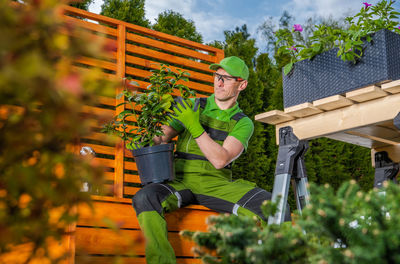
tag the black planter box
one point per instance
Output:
(327, 74)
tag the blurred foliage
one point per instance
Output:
(41, 115)
(347, 226)
(82, 4)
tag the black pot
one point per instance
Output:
(328, 75)
(155, 164)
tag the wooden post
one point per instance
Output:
(120, 146)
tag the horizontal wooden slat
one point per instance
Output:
(190, 84)
(100, 137)
(114, 22)
(97, 63)
(106, 100)
(273, 117)
(106, 241)
(156, 65)
(366, 94)
(99, 149)
(168, 47)
(302, 110)
(131, 178)
(130, 165)
(167, 57)
(106, 162)
(332, 102)
(98, 111)
(391, 87)
(130, 190)
(124, 215)
(91, 26)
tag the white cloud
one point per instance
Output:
(303, 9)
(208, 23)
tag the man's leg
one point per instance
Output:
(239, 197)
(150, 203)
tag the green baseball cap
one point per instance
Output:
(234, 66)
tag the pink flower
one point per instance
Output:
(399, 27)
(293, 48)
(297, 27)
(366, 5)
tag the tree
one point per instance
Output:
(82, 4)
(173, 23)
(131, 11)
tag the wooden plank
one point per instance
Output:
(130, 165)
(366, 94)
(130, 190)
(106, 100)
(120, 146)
(168, 57)
(114, 22)
(100, 137)
(97, 111)
(129, 201)
(124, 215)
(169, 47)
(108, 242)
(91, 26)
(131, 178)
(105, 162)
(374, 138)
(391, 87)
(192, 85)
(273, 117)
(100, 149)
(156, 65)
(97, 63)
(342, 119)
(302, 110)
(332, 102)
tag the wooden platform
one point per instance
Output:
(363, 117)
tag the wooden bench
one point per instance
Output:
(96, 241)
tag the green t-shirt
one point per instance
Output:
(243, 129)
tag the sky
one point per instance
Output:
(212, 17)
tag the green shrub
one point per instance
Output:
(349, 226)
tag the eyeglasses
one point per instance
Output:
(227, 79)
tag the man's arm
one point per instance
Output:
(169, 134)
(218, 155)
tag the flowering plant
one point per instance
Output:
(349, 40)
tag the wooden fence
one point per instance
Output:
(138, 50)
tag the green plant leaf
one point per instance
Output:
(288, 67)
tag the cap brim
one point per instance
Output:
(215, 66)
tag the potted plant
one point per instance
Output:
(150, 109)
(339, 60)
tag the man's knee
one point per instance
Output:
(258, 196)
(149, 198)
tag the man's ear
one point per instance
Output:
(243, 85)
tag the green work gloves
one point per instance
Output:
(188, 117)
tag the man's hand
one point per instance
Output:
(188, 117)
